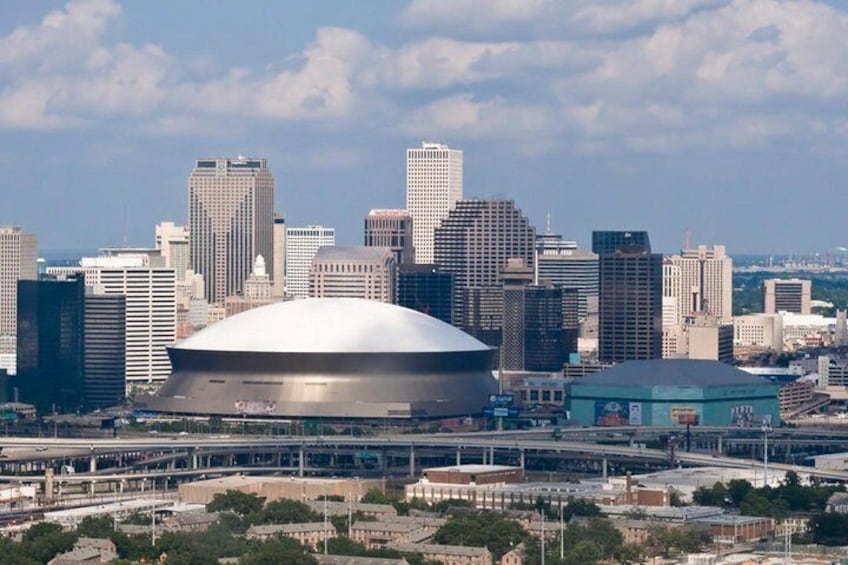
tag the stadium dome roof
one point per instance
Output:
(671, 372)
(332, 325)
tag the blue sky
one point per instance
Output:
(726, 117)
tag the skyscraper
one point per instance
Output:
(231, 219)
(151, 312)
(172, 241)
(565, 266)
(474, 244)
(353, 272)
(392, 229)
(702, 281)
(278, 267)
(51, 343)
(433, 185)
(427, 289)
(105, 349)
(17, 262)
(301, 246)
(786, 295)
(630, 297)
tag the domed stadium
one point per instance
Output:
(333, 358)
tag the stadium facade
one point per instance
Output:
(668, 392)
(335, 358)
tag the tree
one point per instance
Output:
(629, 553)
(280, 550)
(95, 527)
(830, 528)
(444, 505)
(376, 496)
(489, 529)
(239, 502)
(285, 511)
(737, 490)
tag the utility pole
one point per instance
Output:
(325, 524)
(765, 453)
(561, 533)
(543, 536)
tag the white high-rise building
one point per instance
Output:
(700, 280)
(354, 272)
(231, 219)
(301, 246)
(173, 242)
(433, 185)
(151, 322)
(18, 252)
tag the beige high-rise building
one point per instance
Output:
(700, 280)
(18, 256)
(257, 291)
(433, 185)
(353, 272)
(786, 295)
(172, 241)
(393, 229)
(231, 220)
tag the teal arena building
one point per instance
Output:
(669, 392)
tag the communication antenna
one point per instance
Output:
(548, 227)
(688, 241)
(126, 228)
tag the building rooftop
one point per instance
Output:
(270, 529)
(355, 560)
(473, 468)
(671, 372)
(332, 325)
(350, 253)
(429, 548)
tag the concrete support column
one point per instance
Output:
(458, 456)
(194, 463)
(484, 456)
(604, 467)
(92, 463)
(521, 464)
(411, 461)
(301, 456)
(492, 455)
(720, 444)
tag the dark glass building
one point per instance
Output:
(105, 350)
(427, 289)
(608, 242)
(51, 338)
(630, 297)
(474, 244)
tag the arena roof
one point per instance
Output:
(672, 372)
(332, 325)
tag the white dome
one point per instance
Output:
(332, 325)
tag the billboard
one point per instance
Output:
(635, 417)
(255, 407)
(501, 399)
(742, 416)
(612, 413)
(685, 415)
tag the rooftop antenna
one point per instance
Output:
(125, 225)
(688, 241)
(548, 226)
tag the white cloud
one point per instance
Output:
(618, 16)
(473, 13)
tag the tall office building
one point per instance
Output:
(433, 186)
(630, 298)
(173, 243)
(151, 319)
(608, 242)
(565, 266)
(17, 262)
(701, 280)
(301, 246)
(427, 289)
(474, 243)
(231, 219)
(51, 343)
(786, 295)
(278, 267)
(105, 349)
(353, 272)
(392, 229)
(258, 291)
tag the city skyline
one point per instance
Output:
(601, 115)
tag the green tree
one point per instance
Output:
(583, 552)
(737, 490)
(95, 527)
(829, 528)
(489, 529)
(285, 511)
(376, 496)
(629, 553)
(239, 502)
(278, 551)
(443, 505)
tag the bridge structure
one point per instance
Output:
(122, 460)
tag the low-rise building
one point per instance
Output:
(731, 529)
(275, 488)
(335, 508)
(838, 502)
(407, 528)
(446, 554)
(87, 551)
(356, 560)
(310, 533)
(515, 556)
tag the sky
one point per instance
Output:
(723, 117)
